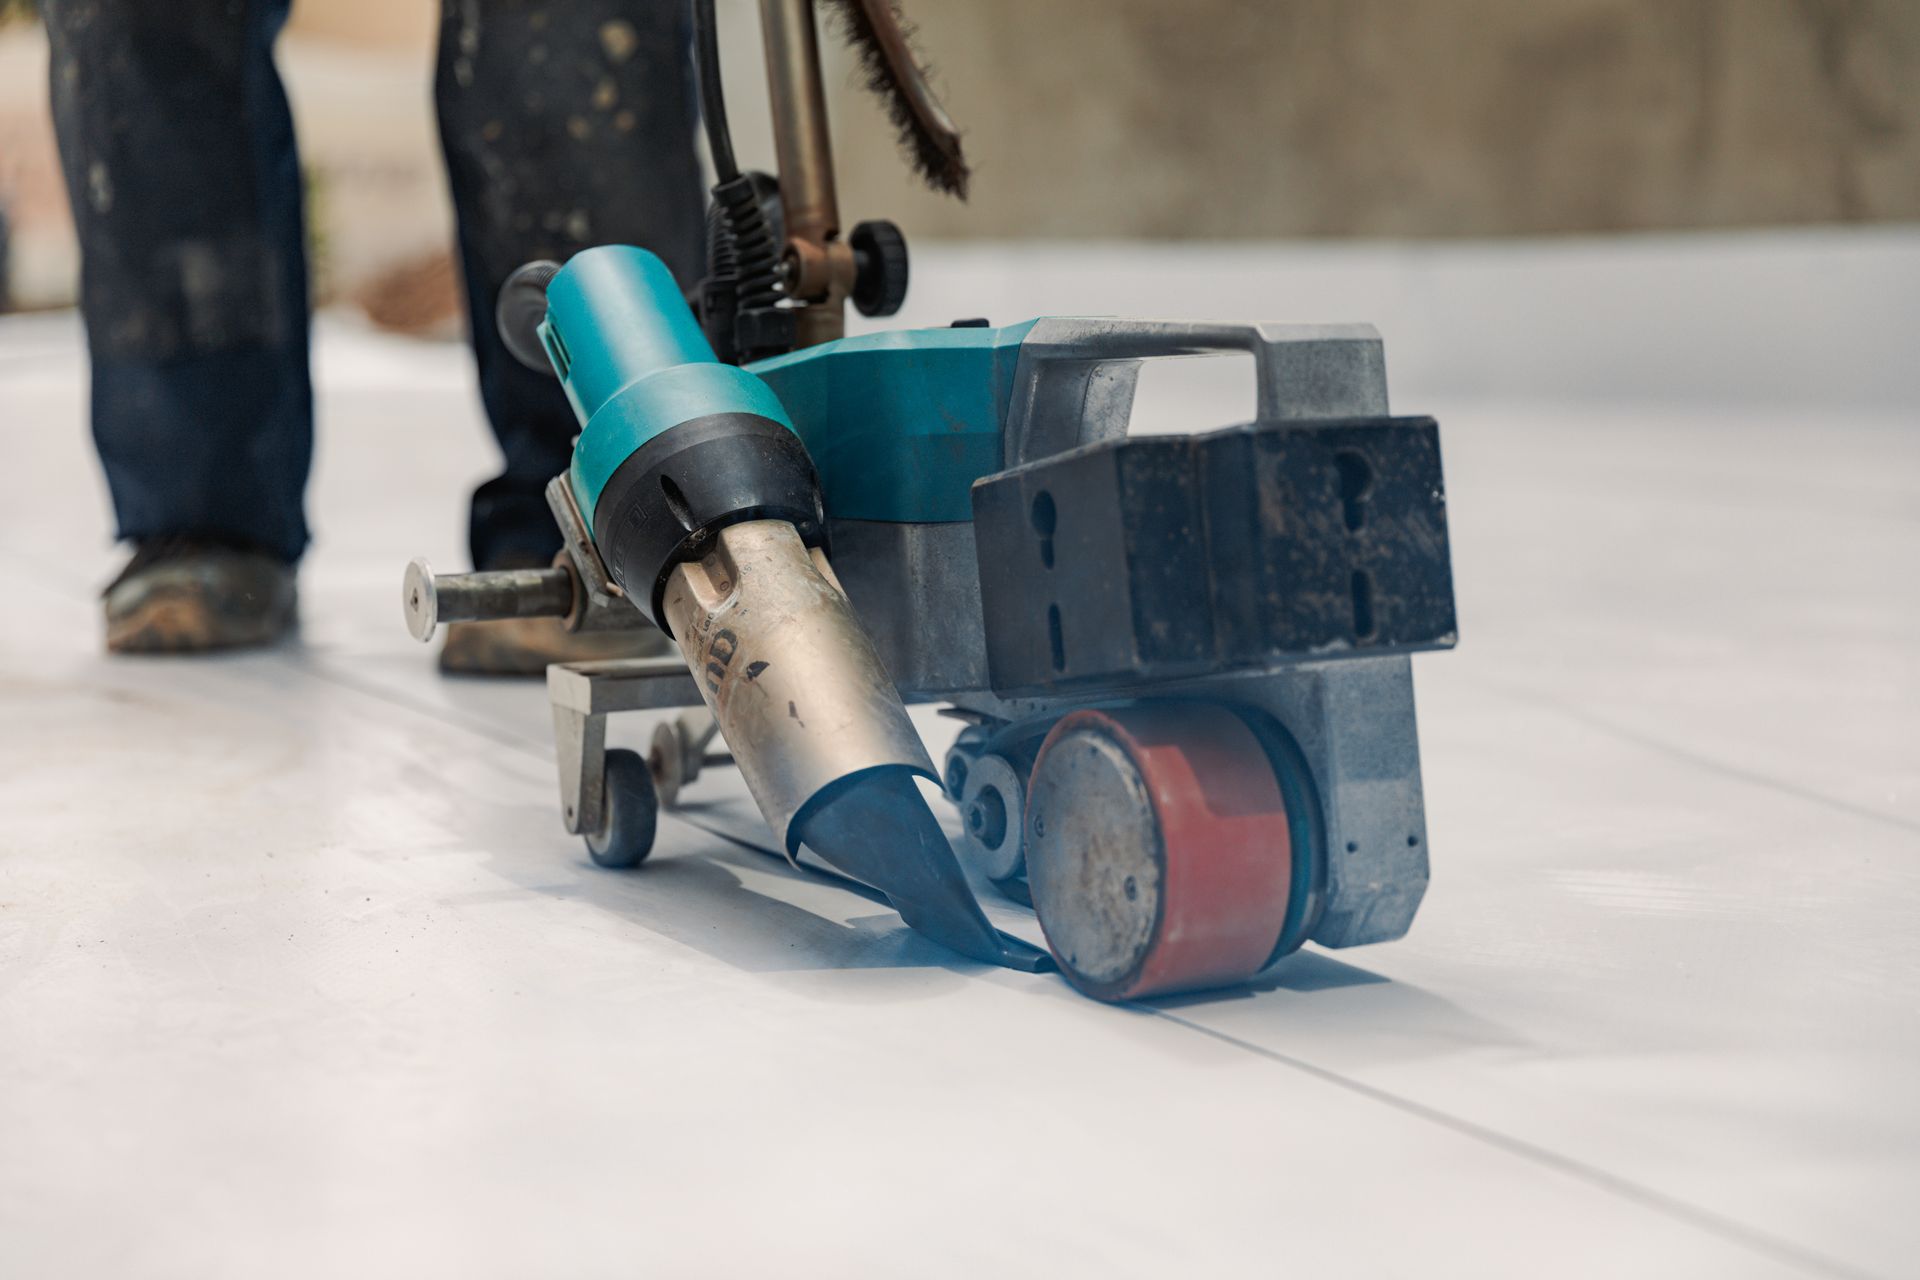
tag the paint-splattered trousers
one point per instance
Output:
(564, 124)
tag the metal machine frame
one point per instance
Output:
(1193, 706)
(916, 588)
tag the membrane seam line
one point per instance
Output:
(1728, 1229)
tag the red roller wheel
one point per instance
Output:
(1157, 849)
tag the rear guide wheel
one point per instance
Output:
(992, 805)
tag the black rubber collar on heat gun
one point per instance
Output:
(672, 496)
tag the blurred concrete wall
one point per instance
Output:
(1174, 118)
(1190, 118)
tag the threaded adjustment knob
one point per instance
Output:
(880, 260)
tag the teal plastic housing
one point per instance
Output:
(634, 362)
(900, 424)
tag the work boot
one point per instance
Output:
(183, 593)
(527, 646)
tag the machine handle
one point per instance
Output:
(1075, 379)
(431, 599)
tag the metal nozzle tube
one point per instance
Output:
(818, 730)
(787, 669)
(431, 599)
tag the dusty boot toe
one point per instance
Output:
(183, 595)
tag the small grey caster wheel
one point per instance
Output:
(625, 837)
(960, 757)
(992, 800)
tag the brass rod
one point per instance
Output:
(799, 103)
(804, 150)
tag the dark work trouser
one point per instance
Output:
(564, 124)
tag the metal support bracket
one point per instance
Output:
(580, 748)
(583, 695)
(599, 604)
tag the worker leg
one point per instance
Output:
(178, 151)
(564, 126)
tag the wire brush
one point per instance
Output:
(880, 36)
